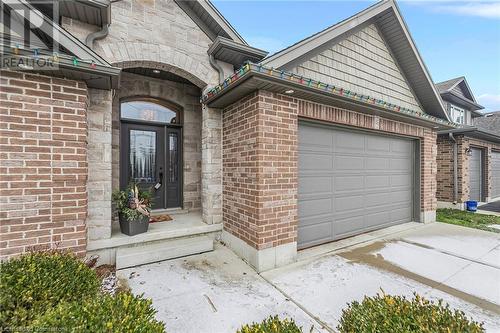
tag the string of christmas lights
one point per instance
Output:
(316, 85)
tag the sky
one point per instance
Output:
(454, 38)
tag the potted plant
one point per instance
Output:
(134, 209)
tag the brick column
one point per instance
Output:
(261, 179)
(100, 164)
(211, 165)
(428, 152)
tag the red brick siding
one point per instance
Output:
(260, 175)
(445, 166)
(260, 170)
(43, 163)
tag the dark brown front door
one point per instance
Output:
(150, 157)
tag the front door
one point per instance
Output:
(150, 151)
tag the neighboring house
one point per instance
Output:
(328, 138)
(468, 157)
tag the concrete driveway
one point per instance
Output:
(217, 292)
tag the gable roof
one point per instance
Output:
(209, 19)
(458, 91)
(386, 16)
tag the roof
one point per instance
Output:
(209, 19)
(74, 59)
(235, 53)
(253, 77)
(458, 91)
(385, 14)
(489, 121)
(474, 132)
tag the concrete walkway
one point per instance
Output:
(217, 292)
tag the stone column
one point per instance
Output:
(211, 165)
(99, 164)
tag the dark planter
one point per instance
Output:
(134, 227)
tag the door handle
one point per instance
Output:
(160, 180)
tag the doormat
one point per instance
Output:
(160, 218)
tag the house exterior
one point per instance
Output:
(328, 138)
(469, 156)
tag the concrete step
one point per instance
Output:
(166, 249)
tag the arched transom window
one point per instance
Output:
(149, 111)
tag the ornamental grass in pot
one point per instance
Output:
(134, 209)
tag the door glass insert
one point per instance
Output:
(142, 156)
(147, 111)
(173, 153)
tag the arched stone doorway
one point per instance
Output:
(151, 148)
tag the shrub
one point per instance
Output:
(385, 313)
(121, 313)
(272, 325)
(36, 281)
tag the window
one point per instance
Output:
(457, 114)
(149, 111)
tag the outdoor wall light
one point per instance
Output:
(468, 151)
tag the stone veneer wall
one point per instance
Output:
(445, 167)
(260, 173)
(43, 163)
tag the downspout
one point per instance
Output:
(455, 168)
(217, 67)
(89, 41)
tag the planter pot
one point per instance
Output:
(134, 227)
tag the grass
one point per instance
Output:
(468, 219)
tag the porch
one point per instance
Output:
(186, 234)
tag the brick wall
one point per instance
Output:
(260, 171)
(445, 166)
(43, 163)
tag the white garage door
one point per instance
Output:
(495, 174)
(352, 182)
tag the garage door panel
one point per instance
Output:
(348, 183)
(315, 206)
(315, 184)
(400, 164)
(377, 163)
(345, 226)
(404, 179)
(495, 174)
(348, 203)
(369, 184)
(378, 181)
(403, 148)
(378, 144)
(347, 162)
(348, 142)
(315, 161)
(314, 234)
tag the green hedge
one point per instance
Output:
(385, 313)
(272, 325)
(120, 313)
(37, 281)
